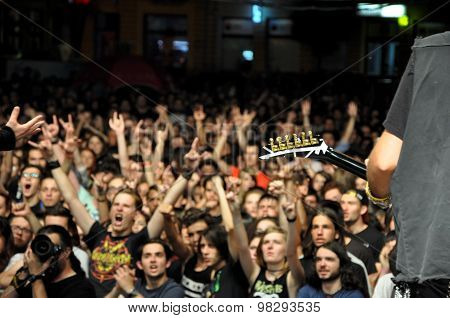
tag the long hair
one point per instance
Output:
(347, 276)
(338, 223)
(66, 242)
(259, 253)
(6, 233)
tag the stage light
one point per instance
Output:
(393, 11)
(403, 21)
(256, 14)
(247, 55)
(381, 10)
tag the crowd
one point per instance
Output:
(123, 196)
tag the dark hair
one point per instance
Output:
(347, 276)
(217, 236)
(267, 196)
(41, 171)
(338, 224)
(193, 215)
(65, 241)
(6, 233)
(166, 247)
(253, 190)
(61, 211)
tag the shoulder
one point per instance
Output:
(354, 293)
(308, 291)
(172, 290)
(440, 39)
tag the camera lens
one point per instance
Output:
(43, 247)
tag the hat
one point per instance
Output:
(360, 195)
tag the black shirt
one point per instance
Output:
(228, 282)
(372, 239)
(77, 286)
(110, 252)
(363, 253)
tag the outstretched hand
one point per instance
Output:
(192, 158)
(24, 131)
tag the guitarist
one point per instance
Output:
(410, 165)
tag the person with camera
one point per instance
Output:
(50, 269)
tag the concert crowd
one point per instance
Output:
(167, 197)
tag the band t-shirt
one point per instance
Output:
(264, 288)
(108, 253)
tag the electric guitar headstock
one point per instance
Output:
(306, 144)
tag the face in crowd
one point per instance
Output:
(210, 254)
(273, 247)
(327, 264)
(49, 192)
(212, 199)
(323, 230)
(251, 156)
(29, 181)
(267, 207)
(22, 232)
(36, 157)
(352, 209)
(153, 261)
(122, 214)
(195, 231)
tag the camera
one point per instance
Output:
(44, 248)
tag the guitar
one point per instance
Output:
(313, 147)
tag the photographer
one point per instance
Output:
(50, 269)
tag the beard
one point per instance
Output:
(53, 271)
(333, 277)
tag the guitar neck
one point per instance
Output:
(345, 162)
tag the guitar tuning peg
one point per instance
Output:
(272, 146)
(313, 140)
(305, 142)
(289, 145)
(281, 144)
(297, 141)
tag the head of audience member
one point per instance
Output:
(208, 167)
(116, 184)
(354, 205)
(248, 181)
(311, 200)
(332, 192)
(124, 207)
(22, 232)
(36, 157)
(360, 184)
(88, 158)
(30, 179)
(196, 224)
(251, 199)
(253, 246)
(267, 206)
(330, 137)
(154, 260)
(59, 215)
(97, 145)
(142, 189)
(332, 264)
(140, 222)
(319, 180)
(271, 252)
(212, 199)
(154, 197)
(251, 159)
(325, 226)
(49, 193)
(213, 247)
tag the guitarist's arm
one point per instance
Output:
(382, 163)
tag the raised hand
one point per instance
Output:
(306, 107)
(45, 145)
(26, 130)
(146, 148)
(352, 110)
(117, 123)
(68, 125)
(289, 210)
(125, 278)
(192, 158)
(53, 128)
(276, 188)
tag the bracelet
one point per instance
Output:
(132, 293)
(53, 164)
(187, 174)
(32, 278)
(383, 203)
(291, 220)
(55, 140)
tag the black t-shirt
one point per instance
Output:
(194, 282)
(77, 286)
(170, 289)
(228, 282)
(108, 253)
(363, 253)
(373, 239)
(264, 288)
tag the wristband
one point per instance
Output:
(187, 174)
(383, 203)
(53, 164)
(132, 293)
(292, 220)
(55, 140)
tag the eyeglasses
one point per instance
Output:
(16, 228)
(31, 175)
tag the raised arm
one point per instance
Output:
(352, 113)
(240, 240)
(221, 141)
(118, 125)
(306, 112)
(296, 274)
(21, 131)
(192, 158)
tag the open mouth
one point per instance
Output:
(118, 219)
(27, 186)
